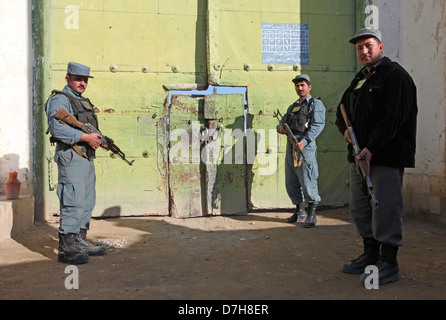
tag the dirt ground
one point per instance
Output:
(254, 257)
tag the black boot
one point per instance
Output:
(89, 248)
(311, 220)
(299, 215)
(387, 265)
(68, 252)
(369, 257)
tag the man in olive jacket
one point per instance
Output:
(381, 104)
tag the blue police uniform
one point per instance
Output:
(76, 172)
(76, 182)
(301, 182)
(306, 120)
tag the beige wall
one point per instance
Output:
(424, 27)
(15, 91)
(413, 34)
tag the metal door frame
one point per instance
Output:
(201, 90)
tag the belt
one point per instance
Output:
(80, 150)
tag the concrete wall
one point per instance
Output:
(424, 27)
(413, 34)
(15, 92)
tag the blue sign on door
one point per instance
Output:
(285, 43)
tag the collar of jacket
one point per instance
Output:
(71, 92)
(380, 64)
(306, 99)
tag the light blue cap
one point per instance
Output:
(78, 69)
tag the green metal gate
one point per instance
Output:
(138, 47)
(247, 46)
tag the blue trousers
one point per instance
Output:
(75, 189)
(301, 182)
(385, 223)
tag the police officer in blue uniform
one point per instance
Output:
(74, 155)
(306, 119)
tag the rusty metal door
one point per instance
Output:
(185, 179)
(207, 159)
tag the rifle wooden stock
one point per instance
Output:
(65, 117)
(298, 155)
(297, 152)
(362, 162)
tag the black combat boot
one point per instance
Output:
(89, 248)
(311, 220)
(387, 265)
(299, 215)
(369, 257)
(68, 252)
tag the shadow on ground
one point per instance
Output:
(257, 256)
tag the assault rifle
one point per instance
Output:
(362, 162)
(67, 118)
(298, 155)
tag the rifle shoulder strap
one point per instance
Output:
(79, 151)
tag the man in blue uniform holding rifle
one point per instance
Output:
(74, 155)
(306, 120)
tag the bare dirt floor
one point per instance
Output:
(253, 257)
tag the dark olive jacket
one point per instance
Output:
(383, 113)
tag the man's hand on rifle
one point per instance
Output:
(347, 136)
(92, 139)
(282, 130)
(105, 146)
(365, 153)
(299, 144)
